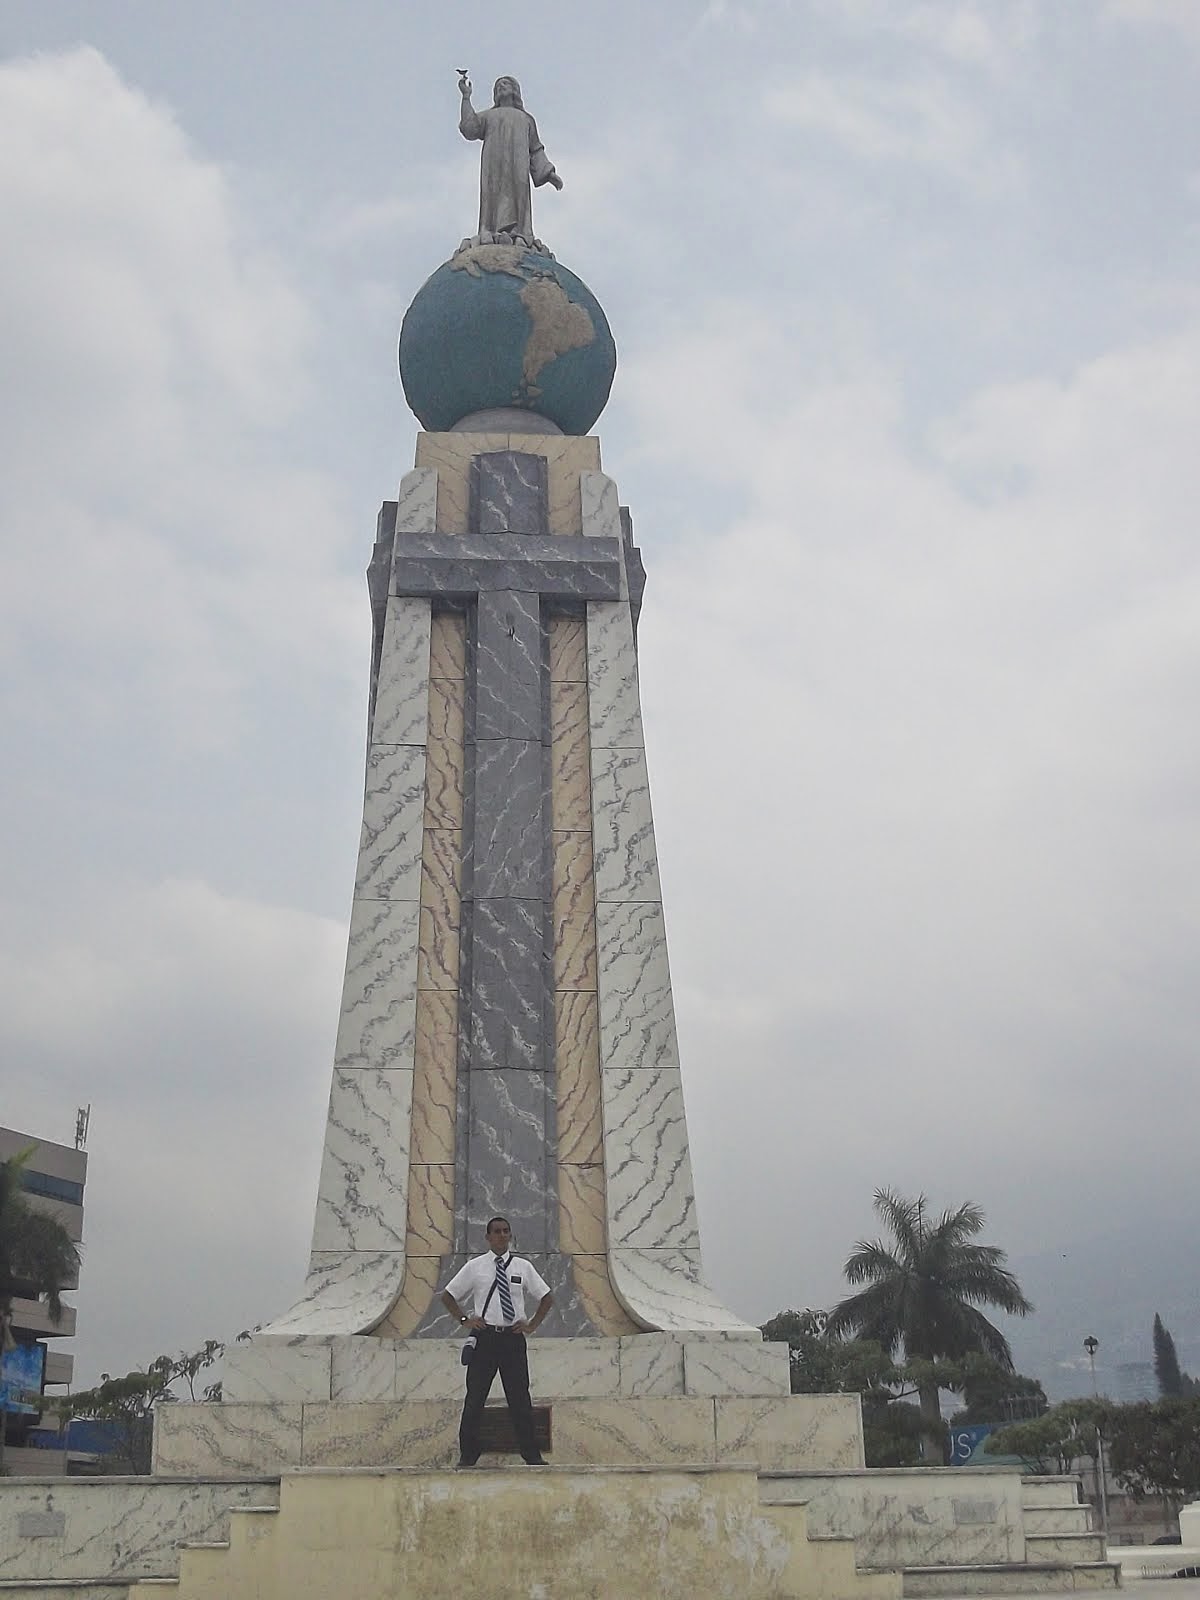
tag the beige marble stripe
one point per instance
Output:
(577, 1071)
(420, 1285)
(431, 1210)
(448, 646)
(435, 1074)
(608, 1316)
(570, 764)
(581, 1210)
(444, 753)
(568, 650)
(574, 912)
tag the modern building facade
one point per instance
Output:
(54, 1182)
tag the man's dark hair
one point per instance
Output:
(494, 1220)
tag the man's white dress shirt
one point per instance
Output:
(470, 1286)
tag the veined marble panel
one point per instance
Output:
(441, 867)
(226, 1441)
(735, 1367)
(568, 650)
(574, 912)
(402, 696)
(614, 695)
(799, 1432)
(577, 1075)
(510, 492)
(448, 645)
(508, 984)
(362, 1201)
(651, 1364)
(404, 1432)
(664, 1289)
(508, 656)
(604, 1311)
(363, 1369)
(347, 1291)
(509, 816)
(389, 853)
(567, 457)
(615, 1432)
(573, 1369)
(570, 765)
(379, 991)
(581, 1210)
(421, 1281)
(124, 1528)
(600, 510)
(435, 1073)
(430, 1210)
(450, 454)
(264, 1368)
(637, 1015)
(429, 1369)
(626, 860)
(437, 949)
(444, 754)
(651, 1201)
(508, 1141)
(416, 502)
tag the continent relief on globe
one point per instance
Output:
(557, 324)
(502, 325)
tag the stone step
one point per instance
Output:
(1056, 1490)
(66, 1588)
(1010, 1577)
(1070, 1547)
(1041, 1519)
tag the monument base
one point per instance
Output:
(608, 1533)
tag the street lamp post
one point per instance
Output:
(1091, 1344)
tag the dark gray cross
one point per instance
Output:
(508, 573)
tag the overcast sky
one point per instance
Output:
(907, 407)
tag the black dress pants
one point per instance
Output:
(505, 1353)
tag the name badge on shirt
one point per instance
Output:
(516, 1278)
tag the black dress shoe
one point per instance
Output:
(536, 1461)
(461, 1463)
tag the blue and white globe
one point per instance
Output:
(503, 326)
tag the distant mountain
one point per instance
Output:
(1109, 1288)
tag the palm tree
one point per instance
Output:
(37, 1256)
(923, 1288)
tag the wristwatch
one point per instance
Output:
(464, 1319)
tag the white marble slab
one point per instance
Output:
(226, 1441)
(574, 1369)
(650, 1198)
(362, 1200)
(664, 1289)
(276, 1369)
(651, 1365)
(614, 697)
(416, 501)
(346, 1291)
(430, 1369)
(735, 1367)
(637, 1015)
(402, 692)
(379, 994)
(626, 862)
(389, 851)
(600, 506)
(363, 1369)
(119, 1528)
(798, 1432)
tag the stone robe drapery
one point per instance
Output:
(512, 158)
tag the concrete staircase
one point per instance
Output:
(1063, 1552)
(605, 1532)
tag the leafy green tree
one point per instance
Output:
(923, 1290)
(1155, 1448)
(1172, 1383)
(992, 1393)
(37, 1257)
(1052, 1442)
(129, 1403)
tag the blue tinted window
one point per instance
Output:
(53, 1188)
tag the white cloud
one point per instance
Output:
(1180, 15)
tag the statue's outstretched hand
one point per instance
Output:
(464, 83)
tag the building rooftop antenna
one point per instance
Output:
(82, 1117)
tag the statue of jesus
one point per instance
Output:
(512, 159)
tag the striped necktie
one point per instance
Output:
(502, 1289)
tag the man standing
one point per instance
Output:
(500, 1287)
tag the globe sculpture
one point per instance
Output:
(503, 326)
